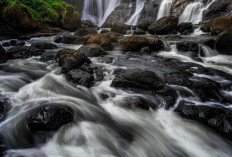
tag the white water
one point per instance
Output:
(165, 9)
(104, 9)
(135, 17)
(194, 12)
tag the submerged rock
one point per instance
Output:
(44, 45)
(49, 117)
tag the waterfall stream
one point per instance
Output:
(165, 8)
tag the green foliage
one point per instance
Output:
(47, 11)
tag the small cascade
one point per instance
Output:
(97, 11)
(165, 9)
(194, 12)
(135, 17)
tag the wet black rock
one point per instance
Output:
(80, 77)
(216, 117)
(144, 25)
(3, 56)
(57, 39)
(92, 50)
(209, 42)
(68, 39)
(185, 28)
(22, 52)
(146, 80)
(6, 44)
(69, 59)
(13, 42)
(139, 32)
(205, 28)
(44, 45)
(224, 42)
(49, 56)
(49, 117)
(5, 106)
(186, 46)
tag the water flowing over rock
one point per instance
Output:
(165, 9)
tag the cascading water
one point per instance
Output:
(194, 12)
(97, 11)
(165, 9)
(135, 17)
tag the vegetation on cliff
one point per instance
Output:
(28, 13)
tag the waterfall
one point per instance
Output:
(97, 11)
(165, 9)
(194, 12)
(135, 17)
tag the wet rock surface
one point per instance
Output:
(49, 117)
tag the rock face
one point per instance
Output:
(146, 80)
(136, 43)
(165, 25)
(69, 59)
(217, 9)
(214, 116)
(44, 45)
(92, 50)
(49, 117)
(224, 42)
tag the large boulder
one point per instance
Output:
(71, 20)
(80, 77)
(92, 50)
(44, 45)
(49, 117)
(185, 28)
(103, 40)
(22, 52)
(186, 46)
(215, 117)
(165, 25)
(146, 80)
(70, 59)
(220, 24)
(3, 56)
(224, 42)
(136, 43)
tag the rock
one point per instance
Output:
(136, 43)
(146, 80)
(216, 117)
(87, 24)
(44, 45)
(186, 46)
(144, 25)
(133, 43)
(224, 42)
(13, 42)
(49, 56)
(20, 43)
(57, 39)
(5, 106)
(82, 40)
(83, 31)
(205, 28)
(22, 52)
(71, 20)
(103, 40)
(24, 38)
(80, 77)
(220, 24)
(165, 25)
(92, 50)
(136, 103)
(209, 42)
(68, 39)
(69, 59)
(139, 32)
(120, 28)
(6, 44)
(3, 55)
(3, 146)
(185, 27)
(49, 117)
